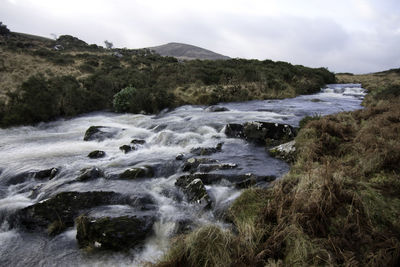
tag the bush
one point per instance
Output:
(136, 100)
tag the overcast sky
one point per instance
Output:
(356, 36)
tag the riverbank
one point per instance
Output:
(338, 205)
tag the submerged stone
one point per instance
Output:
(100, 133)
(97, 154)
(216, 109)
(140, 172)
(203, 151)
(117, 234)
(90, 174)
(138, 142)
(126, 148)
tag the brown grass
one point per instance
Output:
(339, 204)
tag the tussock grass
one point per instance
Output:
(339, 204)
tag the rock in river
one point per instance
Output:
(286, 151)
(59, 212)
(100, 133)
(194, 190)
(118, 233)
(90, 174)
(97, 154)
(140, 172)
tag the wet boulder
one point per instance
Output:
(138, 142)
(194, 189)
(216, 167)
(139, 172)
(89, 174)
(213, 178)
(126, 148)
(39, 175)
(116, 234)
(286, 151)
(180, 156)
(97, 154)
(191, 164)
(48, 173)
(100, 133)
(234, 130)
(59, 212)
(268, 133)
(204, 151)
(216, 109)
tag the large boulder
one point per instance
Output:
(59, 212)
(194, 189)
(234, 130)
(139, 172)
(100, 133)
(262, 133)
(117, 234)
(286, 151)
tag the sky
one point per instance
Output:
(358, 36)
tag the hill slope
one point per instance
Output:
(186, 52)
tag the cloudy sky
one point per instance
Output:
(356, 36)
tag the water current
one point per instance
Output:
(60, 144)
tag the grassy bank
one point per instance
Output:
(42, 79)
(338, 205)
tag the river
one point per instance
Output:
(60, 144)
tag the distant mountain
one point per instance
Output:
(186, 52)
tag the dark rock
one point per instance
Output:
(203, 151)
(40, 175)
(216, 109)
(140, 172)
(138, 142)
(212, 178)
(63, 208)
(215, 167)
(126, 148)
(117, 234)
(286, 151)
(191, 164)
(234, 130)
(97, 154)
(100, 133)
(90, 174)
(268, 133)
(194, 189)
(180, 156)
(48, 173)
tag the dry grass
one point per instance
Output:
(339, 204)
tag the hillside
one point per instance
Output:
(43, 79)
(186, 52)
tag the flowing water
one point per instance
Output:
(60, 144)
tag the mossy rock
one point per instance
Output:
(59, 212)
(117, 234)
(140, 172)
